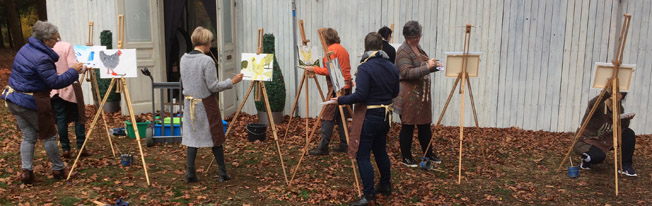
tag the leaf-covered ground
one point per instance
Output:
(519, 170)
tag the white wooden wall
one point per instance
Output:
(537, 56)
(72, 17)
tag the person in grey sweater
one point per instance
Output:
(200, 88)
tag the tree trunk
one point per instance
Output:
(13, 23)
(42, 10)
(2, 39)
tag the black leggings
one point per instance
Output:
(405, 139)
(629, 141)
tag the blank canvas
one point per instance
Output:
(602, 73)
(454, 62)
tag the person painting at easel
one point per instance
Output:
(68, 103)
(33, 76)
(331, 115)
(378, 84)
(200, 88)
(597, 138)
(413, 102)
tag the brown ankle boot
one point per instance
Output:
(27, 177)
(85, 153)
(59, 174)
(66, 154)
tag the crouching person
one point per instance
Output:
(204, 128)
(378, 84)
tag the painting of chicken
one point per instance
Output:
(117, 63)
(257, 67)
(110, 61)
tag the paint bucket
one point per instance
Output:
(256, 132)
(573, 171)
(126, 159)
(425, 164)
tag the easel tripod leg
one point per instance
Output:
(584, 124)
(294, 105)
(125, 92)
(441, 116)
(90, 130)
(271, 123)
(475, 117)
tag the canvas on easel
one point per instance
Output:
(308, 56)
(118, 63)
(257, 67)
(454, 61)
(335, 74)
(88, 55)
(602, 73)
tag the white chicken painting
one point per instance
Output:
(257, 66)
(116, 63)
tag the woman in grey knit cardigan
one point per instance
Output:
(200, 88)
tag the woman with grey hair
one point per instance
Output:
(27, 96)
(413, 102)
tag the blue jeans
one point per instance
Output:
(62, 109)
(373, 138)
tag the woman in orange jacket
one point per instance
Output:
(331, 115)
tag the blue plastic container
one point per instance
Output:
(167, 130)
(573, 171)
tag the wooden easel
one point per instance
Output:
(392, 28)
(341, 110)
(465, 80)
(91, 78)
(614, 85)
(261, 86)
(304, 78)
(122, 83)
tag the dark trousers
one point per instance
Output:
(628, 141)
(62, 109)
(327, 131)
(405, 139)
(373, 138)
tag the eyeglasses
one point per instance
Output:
(57, 39)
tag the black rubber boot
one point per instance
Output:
(218, 152)
(385, 190)
(191, 175)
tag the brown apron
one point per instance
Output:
(81, 106)
(359, 113)
(212, 107)
(46, 126)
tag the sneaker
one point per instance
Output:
(585, 165)
(409, 162)
(341, 149)
(434, 159)
(317, 151)
(628, 170)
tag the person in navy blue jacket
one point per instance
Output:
(377, 83)
(33, 75)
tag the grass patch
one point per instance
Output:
(304, 194)
(107, 183)
(67, 200)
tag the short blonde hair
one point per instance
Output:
(201, 37)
